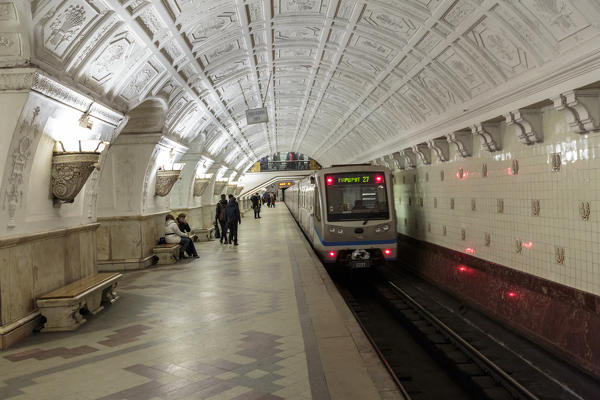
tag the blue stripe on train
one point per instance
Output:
(358, 243)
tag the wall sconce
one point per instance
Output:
(72, 164)
(230, 188)
(166, 176)
(219, 188)
(238, 190)
(200, 185)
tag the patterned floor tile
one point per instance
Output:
(226, 326)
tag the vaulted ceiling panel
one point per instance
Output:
(333, 74)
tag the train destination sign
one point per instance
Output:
(355, 179)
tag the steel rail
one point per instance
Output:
(376, 348)
(487, 363)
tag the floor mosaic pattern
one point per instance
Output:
(231, 325)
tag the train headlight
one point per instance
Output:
(340, 231)
(382, 228)
(332, 229)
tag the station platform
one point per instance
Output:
(261, 320)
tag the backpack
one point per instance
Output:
(221, 212)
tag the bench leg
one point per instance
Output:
(94, 302)
(65, 318)
(109, 295)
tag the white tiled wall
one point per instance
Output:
(559, 224)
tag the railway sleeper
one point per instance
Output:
(465, 369)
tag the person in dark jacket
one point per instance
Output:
(220, 218)
(255, 199)
(233, 217)
(185, 227)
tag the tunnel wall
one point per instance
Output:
(530, 227)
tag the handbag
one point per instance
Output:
(217, 232)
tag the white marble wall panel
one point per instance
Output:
(32, 265)
(525, 214)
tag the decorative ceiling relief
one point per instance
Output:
(459, 12)
(463, 71)
(401, 27)
(114, 57)
(558, 16)
(302, 6)
(347, 80)
(496, 42)
(60, 29)
(140, 82)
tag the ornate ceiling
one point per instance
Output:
(347, 75)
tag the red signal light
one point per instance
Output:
(332, 254)
(387, 252)
(329, 180)
(378, 179)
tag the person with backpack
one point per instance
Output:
(233, 217)
(220, 218)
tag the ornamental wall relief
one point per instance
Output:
(535, 208)
(559, 255)
(584, 210)
(7, 12)
(10, 44)
(23, 147)
(518, 246)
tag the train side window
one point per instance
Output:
(317, 206)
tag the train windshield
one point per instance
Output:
(356, 196)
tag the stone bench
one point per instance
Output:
(167, 253)
(203, 234)
(62, 307)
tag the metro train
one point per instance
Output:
(347, 213)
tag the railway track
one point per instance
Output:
(402, 330)
(478, 374)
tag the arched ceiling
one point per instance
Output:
(345, 73)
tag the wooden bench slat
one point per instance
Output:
(81, 286)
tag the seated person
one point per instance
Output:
(185, 227)
(174, 235)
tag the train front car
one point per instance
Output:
(357, 226)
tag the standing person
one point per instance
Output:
(233, 217)
(272, 200)
(220, 218)
(174, 235)
(255, 199)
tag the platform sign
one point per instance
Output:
(256, 116)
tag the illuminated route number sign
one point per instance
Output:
(354, 179)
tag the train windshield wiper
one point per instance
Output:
(365, 221)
